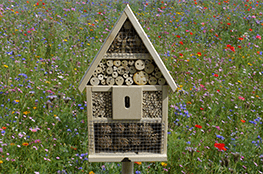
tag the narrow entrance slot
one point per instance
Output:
(127, 101)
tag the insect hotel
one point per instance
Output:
(127, 100)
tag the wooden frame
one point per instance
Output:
(127, 13)
(118, 157)
(153, 114)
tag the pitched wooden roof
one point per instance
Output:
(127, 13)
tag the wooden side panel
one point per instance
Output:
(90, 124)
(150, 48)
(102, 51)
(130, 109)
(165, 116)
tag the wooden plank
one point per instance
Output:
(102, 89)
(89, 118)
(142, 120)
(165, 115)
(102, 51)
(152, 88)
(132, 56)
(109, 88)
(150, 48)
(130, 109)
(119, 157)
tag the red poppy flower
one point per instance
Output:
(239, 46)
(178, 36)
(232, 49)
(202, 109)
(191, 33)
(228, 23)
(159, 36)
(250, 29)
(216, 35)
(3, 128)
(43, 3)
(228, 46)
(198, 126)
(180, 54)
(220, 146)
(85, 10)
(243, 121)
(199, 54)
(241, 38)
(37, 3)
(216, 75)
(181, 42)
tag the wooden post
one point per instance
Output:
(127, 167)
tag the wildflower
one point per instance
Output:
(139, 163)
(258, 37)
(216, 75)
(243, 121)
(241, 98)
(202, 109)
(198, 126)
(241, 38)
(65, 40)
(25, 144)
(220, 146)
(12, 144)
(5, 66)
(1, 161)
(91, 172)
(3, 128)
(228, 23)
(181, 42)
(163, 164)
(17, 101)
(26, 112)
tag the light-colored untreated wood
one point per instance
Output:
(133, 157)
(165, 115)
(102, 51)
(89, 119)
(150, 48)
(109, 88)
(128, 118)
(126, 103)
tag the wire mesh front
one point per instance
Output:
(123, 137)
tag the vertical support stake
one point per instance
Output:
(127, 167)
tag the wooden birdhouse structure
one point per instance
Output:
(127, 101)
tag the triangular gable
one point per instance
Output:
(127, 15)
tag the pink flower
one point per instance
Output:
(258, 36)
(241, 98)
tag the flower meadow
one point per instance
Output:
(213, 50)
